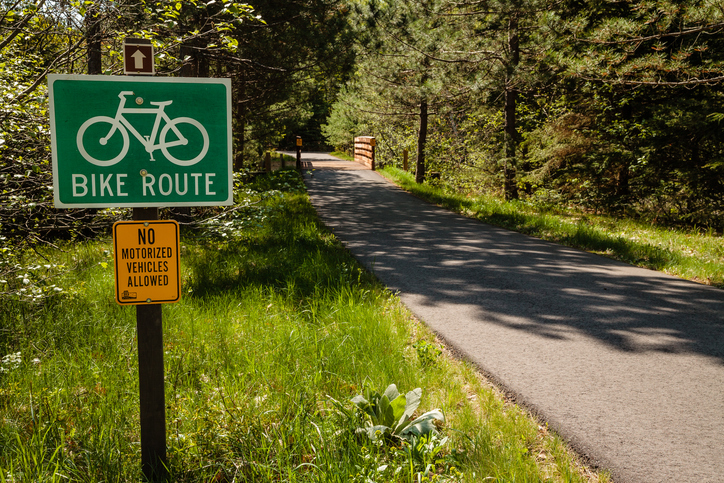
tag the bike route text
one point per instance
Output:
(116, 184)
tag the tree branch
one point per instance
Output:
(704, 29)
(20, 26)
(42, 76)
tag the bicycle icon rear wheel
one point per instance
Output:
(191, 141)
(106, 147)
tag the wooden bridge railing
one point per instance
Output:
(364, 151)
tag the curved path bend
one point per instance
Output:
(626, 364)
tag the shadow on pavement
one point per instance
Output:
(514, 280)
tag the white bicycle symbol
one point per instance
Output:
(121, 124)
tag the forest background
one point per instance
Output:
(612, 106)
(609, 106)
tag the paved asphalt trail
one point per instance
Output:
(627, 364)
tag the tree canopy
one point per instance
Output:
(285, 60)
(612, 106)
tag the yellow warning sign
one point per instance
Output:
(147, 262)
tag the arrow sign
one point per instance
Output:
(138, 57)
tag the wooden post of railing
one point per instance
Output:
(267, 162)
(404, 160)
(373, 143)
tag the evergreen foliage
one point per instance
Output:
(611, 106)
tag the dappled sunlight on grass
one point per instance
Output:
(687, 254)
(276, 328)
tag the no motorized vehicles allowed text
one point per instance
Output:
(146, 262)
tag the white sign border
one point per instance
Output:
(113, 78)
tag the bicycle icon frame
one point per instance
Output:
(120, 124)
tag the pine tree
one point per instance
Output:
(403, 73)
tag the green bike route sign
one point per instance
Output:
(140, 141)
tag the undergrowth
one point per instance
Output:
(277, 330)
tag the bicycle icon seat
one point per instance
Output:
(99, 130)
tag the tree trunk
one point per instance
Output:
(622, 182)
(93, 46)
(510, 144)
(189, 68)
(203, 64)
(421, 141)
(241, 120)
(621, 190)
(93, 41)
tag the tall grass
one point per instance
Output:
(688, 254)
(277, 327)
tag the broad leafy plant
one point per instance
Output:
(389, 415)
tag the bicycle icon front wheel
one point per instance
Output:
(102, 141)
(189, 142)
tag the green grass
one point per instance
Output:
(342, 155)
(275, 324)
(684, 253)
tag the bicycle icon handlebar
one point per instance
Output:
(119, 124)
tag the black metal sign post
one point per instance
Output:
(149, 330)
